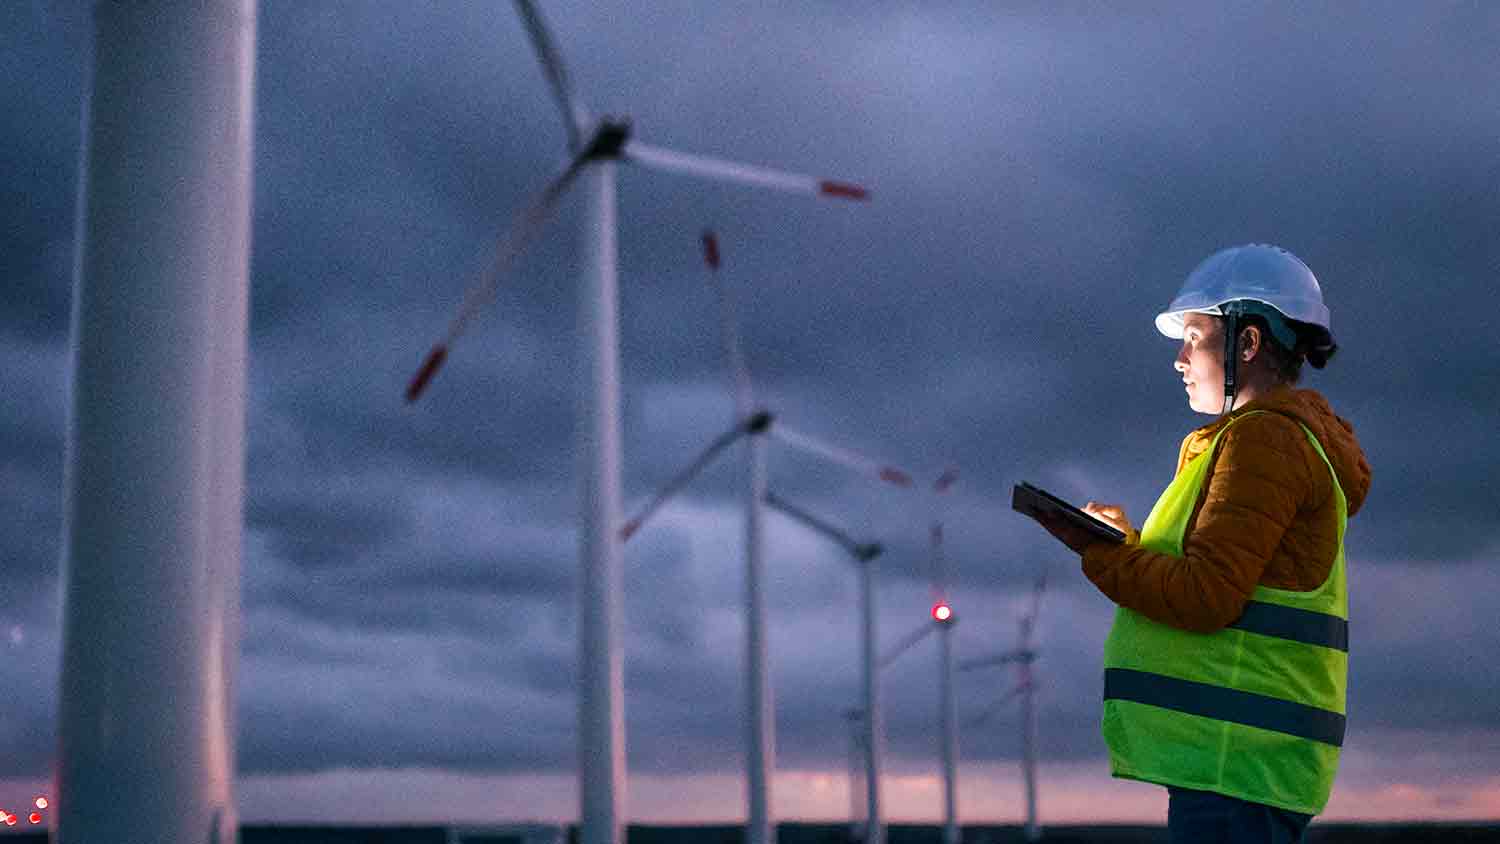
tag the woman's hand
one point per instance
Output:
(1078, 538)
(1112, 515)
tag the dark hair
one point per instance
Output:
(1314, 345)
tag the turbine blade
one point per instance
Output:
(575, 116)
(681, 480)
(848, 542)
(512, 243)
(995, 707)
(1003, 658)
(721, 170)
(842, 456)
(739, 373)
(978, 720)
(946, 480)
(907, 643)
(938, 565)
(429, 368)
(1036, 604)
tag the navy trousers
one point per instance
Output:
(1203, 817)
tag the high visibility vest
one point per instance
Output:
(1253, 711)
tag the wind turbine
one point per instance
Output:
(943, 620)
(754, 421)
(595, 146)
(864, 554)
(1025, 688)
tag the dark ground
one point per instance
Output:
(1332, 833)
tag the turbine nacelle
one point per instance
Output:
(608, 140)
(759, 422)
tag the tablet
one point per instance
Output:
(1033, 501)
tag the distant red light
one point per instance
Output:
(35, 817)
(10, 820)
(941, 612)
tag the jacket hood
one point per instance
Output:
(1334, 433)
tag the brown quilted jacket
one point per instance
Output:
(1266, 515)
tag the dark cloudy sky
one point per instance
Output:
(1044, 176)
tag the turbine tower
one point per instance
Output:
(858, 822)
(154, 481)
(1025, 687)
(863, 554)
(753, 421)
(943, 620)
(595, 147)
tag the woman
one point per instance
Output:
(1225, 671)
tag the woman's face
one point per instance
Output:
(1201, 362)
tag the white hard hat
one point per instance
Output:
(1257, 272)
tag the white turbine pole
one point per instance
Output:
(947, 702)
(1027, 686)
(856, 770)
(155, 473)
(761, 727)
(874, 721)
(601, 704)
(1023, 656)
(1028, 740)
(948, 706)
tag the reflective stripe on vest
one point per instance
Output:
(1217, 702)
(1254, 711)
(1305, 626)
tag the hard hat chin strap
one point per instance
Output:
(1231, 355)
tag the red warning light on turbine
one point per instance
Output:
(10, 820)
(35, 817)
(941, 612)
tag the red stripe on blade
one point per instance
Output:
(895, 476)
(843, 189)
(429, 368)
(945, 480)
(711, 250)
